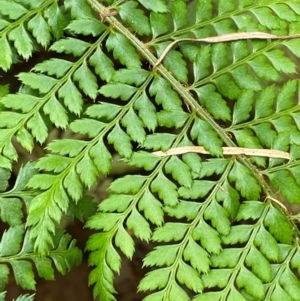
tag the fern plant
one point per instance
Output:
(215, 129)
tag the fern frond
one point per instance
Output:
(55, 87)
(204, 209)
(219, 230)
(16, 248)
(86, 164)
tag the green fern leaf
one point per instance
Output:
(125, 242)
(193, 161)
(259, 265)
(56, 112)
(71, 96)
(213, 102)
(159, 141)
(4, 271)
(103, 111)
(70, 45)
(199, 189)
(6, 59)
(80, 210)
(158, 22)
(183, 209)
(130, 76)
(103, 288)
(38, 128)
(22, 102)
(11, 211)
(172, 118)
(267, 244)
(245, 182)
(11, 208)
(134, 18)
(40, 82)
(280, 62)
(26, 281)
(9, 246)
(211, 243)
(193, 253)
(10, 119)
(222, 223)
(103, 162)
(103, 65)
(87, 171)
(56, 19)
(116, 202)
(73, 185)
(22, 41)
(87, 80)
(12, 10)
(188, 276)
(122, 91)
(53, 66)
(286, 95)
(162, 255)
(158, 279)
(175, 63)
(70, 147)
(40, 30)
(53, 163)
(122, 50)
(170, 231)
(86, 27)
(17, 257)
(138, 224)
(245, 278)
(146, 111)
(169, 196)
(121, 141)
(152, 208)
(179, 171)
(280, 181)
(243, 107)
(128, 184)
(206, 136)
(164, 95)
(277, 231)
(87, 126)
